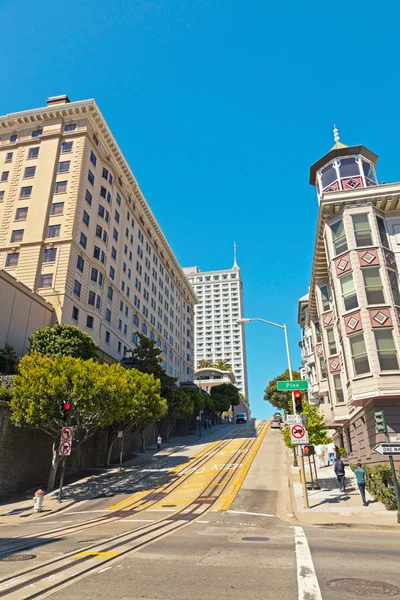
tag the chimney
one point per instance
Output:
(63, 99)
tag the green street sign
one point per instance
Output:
(290, 386)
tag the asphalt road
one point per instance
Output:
(161, 534)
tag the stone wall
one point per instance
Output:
(26, 454)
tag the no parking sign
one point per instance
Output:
(298, 434)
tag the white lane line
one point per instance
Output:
(202, 521)
(254, 514)
(87, 512)
(307, 581)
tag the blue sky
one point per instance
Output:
(220, 108)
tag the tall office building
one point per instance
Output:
(75, 227)
(217, 336)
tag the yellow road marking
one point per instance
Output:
(249, 459)
(99, 554)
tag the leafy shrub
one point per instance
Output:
(7, 382)
(379, 483)
(5, 394)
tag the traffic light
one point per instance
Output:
(66, 408)
(297, 399)
(380, 422)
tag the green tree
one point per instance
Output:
(147, 358)
(8, 360)
(316, 427)
(222, 365)
(44, 384)
(180, 406)
(205, 364)
(225, 396)
(63, 340)
(143, 405)
(281, 400)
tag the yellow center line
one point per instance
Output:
(97, 554)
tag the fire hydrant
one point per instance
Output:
(39, 495)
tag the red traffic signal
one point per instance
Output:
(66, 406)
(297, 399)
(297, 394)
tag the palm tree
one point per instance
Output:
(205, 364)
(222, 365)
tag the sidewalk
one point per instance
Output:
(102, 482)
(329, 506)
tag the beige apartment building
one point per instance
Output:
(76, 229)
(350, 318)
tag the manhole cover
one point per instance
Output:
(17, 557)
(364, 588)
(255, 539)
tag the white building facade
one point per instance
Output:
(216, 334)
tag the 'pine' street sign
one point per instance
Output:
(290, 386)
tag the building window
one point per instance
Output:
(75, 313)
(70, 127)
(382, 232)
(119, 347)
(88, 197)
(373, 286)
(91, 298)
(85, 218)
(331, 340)
(113, 253)
(386, 350)
(107, 337)
(359, 354)
(91, 177)
(394, 284)
(94, 274)
(80, 264)
(66, 147)
(115, 235)
(110, 293)
(337, 382)
(9, 156)
(112, 273)
(63, 166)
(33, 152)
(49, 255)
(77, 288)
(322, 368)
(349, 295)
(4, 175)
(37, 132)
(105, 173)
(108, 315)
(13, 138)
(325, 298)
(26, 191)
(89, 322)
(93, 158)
(29, 172)
(57, 208)
(53, 231)
(362, 230)
(21, 214)
(17, 235)
(339, 237)
(96, 252)
(60, 187)
(83, 240)
(46, 280)
(12, 259)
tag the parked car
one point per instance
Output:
(241, 418)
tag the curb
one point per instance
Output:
(354, 526)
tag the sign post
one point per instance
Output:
(121, 447)
(390, 449)
(64, 450)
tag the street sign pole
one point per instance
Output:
(302, 470)
(396, 486)
(391, 461)
(61, 479)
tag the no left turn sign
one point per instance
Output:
(65, 448)
(66, 433)
(298, 434)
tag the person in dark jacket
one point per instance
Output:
(339, 468)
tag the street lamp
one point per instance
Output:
(302, 471)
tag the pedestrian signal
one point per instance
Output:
(308, 450)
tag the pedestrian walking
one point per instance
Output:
(331, 453)
(159, 440)
(360, 474)
(339, 468)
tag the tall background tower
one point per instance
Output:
(217, 335)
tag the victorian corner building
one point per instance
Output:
(76, 229)
(350, 317)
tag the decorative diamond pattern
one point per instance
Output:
(368, 257)
(334, 364)
(352, 323)
(352, 183)
(380, 317)
(342, 264)
(328, 319)
(332, 188)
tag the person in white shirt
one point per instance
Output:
(159, 440)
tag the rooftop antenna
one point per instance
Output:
(235, 265)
